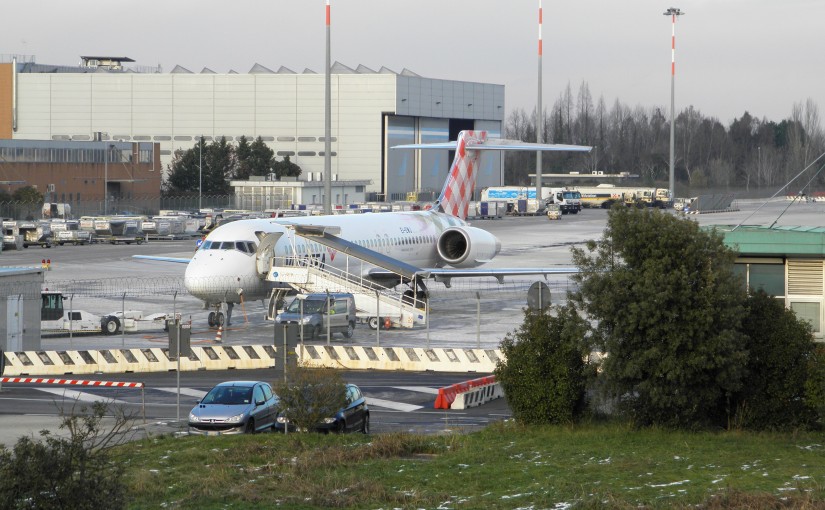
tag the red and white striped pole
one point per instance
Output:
(327, 123)
(539, 121)
(672, 12)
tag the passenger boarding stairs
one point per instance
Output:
(374, 303)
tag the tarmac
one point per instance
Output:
(472, 313)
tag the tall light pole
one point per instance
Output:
(327, 128)
(200, 173)
(539, 124)
(105, 179)
(672, 12)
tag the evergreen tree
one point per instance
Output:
(668, 310)
(544, 374)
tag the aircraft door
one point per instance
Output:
(265, 251)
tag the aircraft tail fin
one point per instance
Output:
(458, 189)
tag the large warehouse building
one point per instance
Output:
(371, 112)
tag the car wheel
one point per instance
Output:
(350, 329)
(365, 425)
(250, 426)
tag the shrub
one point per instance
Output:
(74, 473)
(310, 395)
(544, 375)
(780, 347)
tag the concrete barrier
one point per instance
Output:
(111, 361)
(414, 359)
(477, 396)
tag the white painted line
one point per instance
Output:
(80, 396)
(184, 391)
(419, 389)
(389, 404)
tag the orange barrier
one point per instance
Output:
(446, 396)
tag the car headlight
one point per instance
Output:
(235, 419)
(193, 418)
(305, 320)
(282, 419)
(329, 420)
(278, 318)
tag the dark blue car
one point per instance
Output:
(355, 416)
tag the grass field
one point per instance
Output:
(504, 466)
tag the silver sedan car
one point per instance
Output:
(235, 407)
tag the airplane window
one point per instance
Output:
(206, 245)
(251, 247)
(241, 246)
(227, 245)
(216, 245)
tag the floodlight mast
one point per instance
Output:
(539, 122)
(672, 12)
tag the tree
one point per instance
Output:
(667, 309)
(311, 395)
(780, 346)
(286, 168)
(27, 194)
(544, 375)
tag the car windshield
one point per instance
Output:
(228, 395)
(310, 305)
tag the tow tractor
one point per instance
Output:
(56, 320)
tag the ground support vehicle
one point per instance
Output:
(118, 229)
(605, 195)
(36, 233)
(322, 312)
(68, 232)
(12, 239)
(553, 211)
(56, 320)
(568, 200)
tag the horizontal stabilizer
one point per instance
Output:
(499, 144)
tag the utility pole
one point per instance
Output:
(327, 128)
(672, 12)
(539, 123)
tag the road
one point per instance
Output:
(399, 401)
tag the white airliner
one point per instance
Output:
(232, 263)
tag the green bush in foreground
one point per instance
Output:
(74, 473)
(544, 374)
(780, 354)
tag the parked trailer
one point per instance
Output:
(522, 199)
(12, 239)
(119, 229)
(36, 233)
(68, 232)
(56, 320)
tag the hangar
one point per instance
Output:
(372, 110)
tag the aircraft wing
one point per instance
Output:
(162, 259)
(499, 144)
(445, 275)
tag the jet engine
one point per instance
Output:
(464, 247)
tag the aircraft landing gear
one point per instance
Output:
(218, 318)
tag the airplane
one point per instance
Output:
(231, 264)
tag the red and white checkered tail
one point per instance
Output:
(458, 190)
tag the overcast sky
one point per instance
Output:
(731, 55)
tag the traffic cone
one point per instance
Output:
(48, 264)
(218, 335)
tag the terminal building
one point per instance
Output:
(372, 110)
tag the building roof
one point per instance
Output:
(760, 240)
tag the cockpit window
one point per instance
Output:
(216, 245)
(241, 246)
(251, 246)
(227, 245)
(206, 245)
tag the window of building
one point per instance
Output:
(808, 311)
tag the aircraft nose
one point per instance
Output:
(211, 276)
